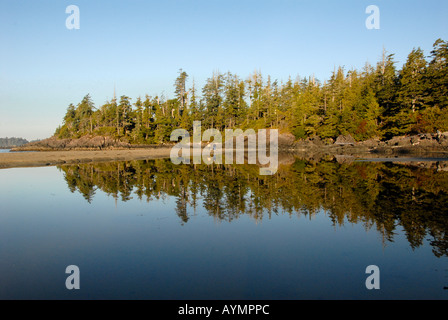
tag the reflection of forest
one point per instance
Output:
(384, 195)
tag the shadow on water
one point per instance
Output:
(382, 195)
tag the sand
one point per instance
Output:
(50, 158)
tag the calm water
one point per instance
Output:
(9, 150)
(154, 230)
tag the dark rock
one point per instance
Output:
(315, 141)
(443, 139)
(399, 141)
(347, 139)
(371, 143)
(286, 140)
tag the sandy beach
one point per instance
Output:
(48, 158)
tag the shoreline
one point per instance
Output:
(341, 154)
(52, 158)
(54, 151)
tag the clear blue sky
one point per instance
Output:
(140, 45)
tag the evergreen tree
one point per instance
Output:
(196, 111)
(438, 75)
(411, 93)
(212, 100)
(393, 120)
(137, 133)
(180, 91)
(234, 103)
(83, 115)
(125, 116)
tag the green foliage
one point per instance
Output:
(437, 75)
(377, 102)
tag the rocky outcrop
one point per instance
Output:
(83, 143)
(286, 140)
(371, 143)
(436, 144)
(343, 140)
(425, 140)
(415, 144)
(343, 145)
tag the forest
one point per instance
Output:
(12, 142)
(379, 195)
(378, 101)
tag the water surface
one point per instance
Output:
(154, 230)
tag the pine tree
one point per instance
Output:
(196, 112)
(70, 125)
(125, 116)
(411, 94)
(306, 114)
(234, 99)
(212, 99)
(333, 105)
(393, 121)
(180, 88)
(137, 133)
(438, 75)
(83, 115)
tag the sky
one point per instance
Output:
(139, 46)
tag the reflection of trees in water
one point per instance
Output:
(380, 195)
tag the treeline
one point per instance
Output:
(375, 102)
(384, 196)
(12, 142)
